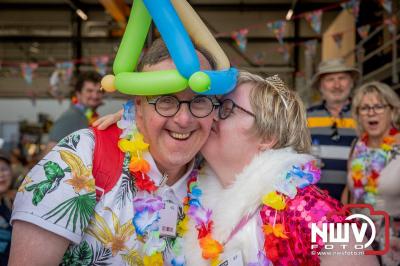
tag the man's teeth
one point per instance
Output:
(180, 135)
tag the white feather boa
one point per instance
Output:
(242, 198)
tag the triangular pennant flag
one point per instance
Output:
(311, 47)
(314, 18)
(27, 70)
(278, 28)
(390, 22)
(259, 58)
(387, 5)
(363, 31)
(66, 69)
(353, 6)
(284, 50)
(338, 37)
(240, 38)
(55, 86)
(100, 64)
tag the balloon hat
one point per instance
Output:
(177, 22)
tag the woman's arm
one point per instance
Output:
(353, 260)
(32, 245)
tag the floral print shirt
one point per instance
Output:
(58, 194)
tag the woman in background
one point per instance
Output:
(374, 176)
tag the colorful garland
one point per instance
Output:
(211, 248)
(89, 113)
(366, 166)
(146, 208)
(297, 177)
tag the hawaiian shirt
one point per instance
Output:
(58, 194)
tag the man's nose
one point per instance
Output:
(183, 117)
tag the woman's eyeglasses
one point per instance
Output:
(226, 108)
(377, 109)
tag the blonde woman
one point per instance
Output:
(254, 200)
(374, 176)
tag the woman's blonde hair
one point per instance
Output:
(279, 111)
(384, 93)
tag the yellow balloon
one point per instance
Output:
(107, 83)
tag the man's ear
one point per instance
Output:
(267, 144)
(138, 109)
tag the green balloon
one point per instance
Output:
(199, 82)
(133, 40)
(150, 83)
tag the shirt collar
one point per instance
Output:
(179, 188)
(345, 108)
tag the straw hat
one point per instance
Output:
(334, 66)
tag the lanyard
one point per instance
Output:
(241, 224)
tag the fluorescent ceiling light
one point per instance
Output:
(289, 14)
(81, 14)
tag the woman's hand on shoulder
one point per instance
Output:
(105, 121)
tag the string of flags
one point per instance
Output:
(314, 19)
(62, 74)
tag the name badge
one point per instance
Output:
(168, 219)
(234, 258)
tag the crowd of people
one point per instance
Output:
(194, 179)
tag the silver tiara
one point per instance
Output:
(280, 87)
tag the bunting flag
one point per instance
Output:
(240, 38)
(363, 31)
(338, 37)
(278, 29)
(353, 6)
(55, 86)
(311, 47)
(387, 5)
(284, 51)
(100, 64)
(259, 58)
(390, 22)
(66, 70)
(27, 70)
(314, 18)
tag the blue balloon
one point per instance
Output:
(222, 81)
(174, 35)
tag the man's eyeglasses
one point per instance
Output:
(377, 109)
(226, 108)
(168, 105)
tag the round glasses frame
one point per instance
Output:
(226, 108)
(175, 105)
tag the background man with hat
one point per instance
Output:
(330, 122)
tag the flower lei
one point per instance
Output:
(297, 177)
(367, 164)
(211, 248)
(146, 208)
(90, 115)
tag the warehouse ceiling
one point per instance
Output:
(47, 32)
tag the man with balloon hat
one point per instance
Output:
(116, 196)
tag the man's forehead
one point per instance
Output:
(336, 74)
(168, 64)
